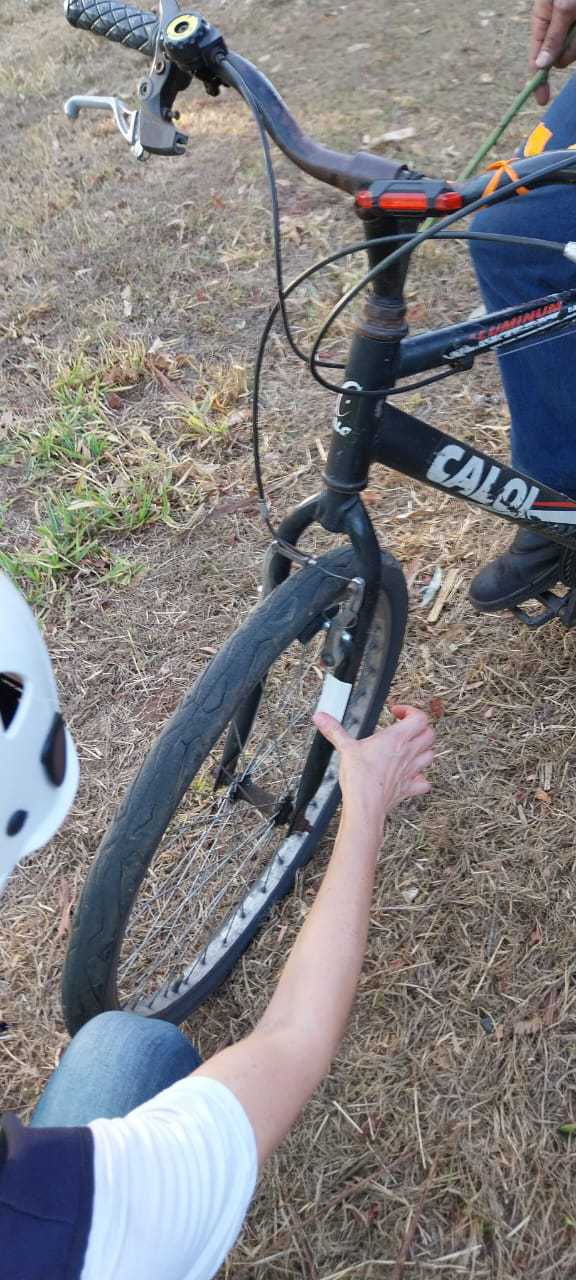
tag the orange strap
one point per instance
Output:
(500, 167)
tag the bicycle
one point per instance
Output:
(239, 783)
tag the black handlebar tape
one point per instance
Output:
(119, 22)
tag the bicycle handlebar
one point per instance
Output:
(138, 30)
(335, 168)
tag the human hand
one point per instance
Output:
(376, 773)
(551, 22)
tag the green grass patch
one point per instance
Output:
(93, 472)
(220, 388)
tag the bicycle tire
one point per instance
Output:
(89, 983)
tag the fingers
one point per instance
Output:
(541, 16)
(542, 94)
(412, 720)
(414, 725)
(423, 761)
(419, 786)
(332, 730)
(554, 38)
(569, 56)
(551, 23)
(403, 711)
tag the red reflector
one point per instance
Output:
(364, 199)
(404, 202)
(448, 202)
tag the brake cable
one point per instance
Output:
(407, 246)
(246, 93)
(307, 274)
(415, 241)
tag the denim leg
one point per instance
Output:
(116, 1062)
(540, 382)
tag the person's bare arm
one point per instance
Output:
(551, 22)
(276, 1068)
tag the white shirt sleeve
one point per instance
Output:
(173, 1181)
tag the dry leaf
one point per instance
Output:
(230, 505)
(529, 1026)
(416, 313)
(175, 391)
(237, 418)
(397, 135)
(551, 1008)
(451, 581)
(542, 796)
(119, 375)
(66, 904)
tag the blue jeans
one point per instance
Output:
(540, 382)
(115, 1063)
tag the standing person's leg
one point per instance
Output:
(115, 1063)
(540, 382)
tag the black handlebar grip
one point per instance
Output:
(119, 22)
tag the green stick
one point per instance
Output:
(529, 88)
(540, 78)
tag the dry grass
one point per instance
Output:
(130, 298)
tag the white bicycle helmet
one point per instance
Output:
(38, 762)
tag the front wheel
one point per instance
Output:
(191, 867)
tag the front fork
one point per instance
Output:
(372, 365)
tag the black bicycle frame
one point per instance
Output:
(368, 430)
(414, 448)
(372, 430)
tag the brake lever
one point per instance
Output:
(150, 129)
(124, 119)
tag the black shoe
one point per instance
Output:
(530, 565)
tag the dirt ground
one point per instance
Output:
(130, 301)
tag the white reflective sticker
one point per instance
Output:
(335, 697)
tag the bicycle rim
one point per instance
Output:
(227, 855)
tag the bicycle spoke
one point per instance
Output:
(197, 884)
(163, 928)
(210, 858)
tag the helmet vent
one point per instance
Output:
(11, 690)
